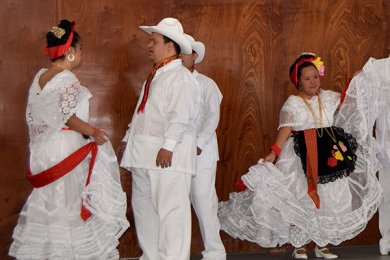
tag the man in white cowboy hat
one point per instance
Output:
(160, 147)
(203, 195)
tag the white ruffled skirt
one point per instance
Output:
(276, 209)
(50, 226)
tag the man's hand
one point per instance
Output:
(164, 158)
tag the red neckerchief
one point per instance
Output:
(150, 78)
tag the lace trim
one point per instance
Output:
(286, 118)
(68, 100)
(336, 175)
(29, 118)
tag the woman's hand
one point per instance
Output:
(100, 136)
(283, 135)
(270, 157)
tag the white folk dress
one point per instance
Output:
(276, 208)
(49, 226)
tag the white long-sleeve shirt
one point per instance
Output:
(208, 119)
(168, 121)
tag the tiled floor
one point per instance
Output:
(351, 253)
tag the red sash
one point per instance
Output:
(65, 166)
(312, 165)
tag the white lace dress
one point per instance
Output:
(49, 226)
(276, 208)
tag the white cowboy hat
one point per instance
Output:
(198, 47)
(171, 28)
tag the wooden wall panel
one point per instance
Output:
(250, 45)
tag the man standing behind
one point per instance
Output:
(203, 195)
(160, 147)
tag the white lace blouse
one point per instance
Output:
(297, 115)
(48, 109)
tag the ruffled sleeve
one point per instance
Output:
(377, 70)
(331, 100)
(68, 99)
(71, 97)
(288, 113)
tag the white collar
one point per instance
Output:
(173, 64)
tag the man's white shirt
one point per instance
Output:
(168, 121)
(208, 119)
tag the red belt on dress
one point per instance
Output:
(65, 166)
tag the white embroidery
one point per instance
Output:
(68, 100)
(50, 108)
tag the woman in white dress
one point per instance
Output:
(77, 207)
(322, 187)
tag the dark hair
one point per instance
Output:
(52, 40)
(177, 47)
(303, 65)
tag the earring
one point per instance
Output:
(70, 57)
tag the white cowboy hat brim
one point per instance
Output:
(175, 36)
(200, 49)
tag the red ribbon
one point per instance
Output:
(149, 81)
(312, 165)
(294, 73)
(65, 166)
(58, 51)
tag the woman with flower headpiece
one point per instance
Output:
(77, 207)
(322, 187)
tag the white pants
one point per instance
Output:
(384, 208)
(205, 202)
(162, 213)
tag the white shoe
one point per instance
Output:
(383, 249)
(297, 255)
(324, 253)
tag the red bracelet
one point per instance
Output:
(276, 149)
